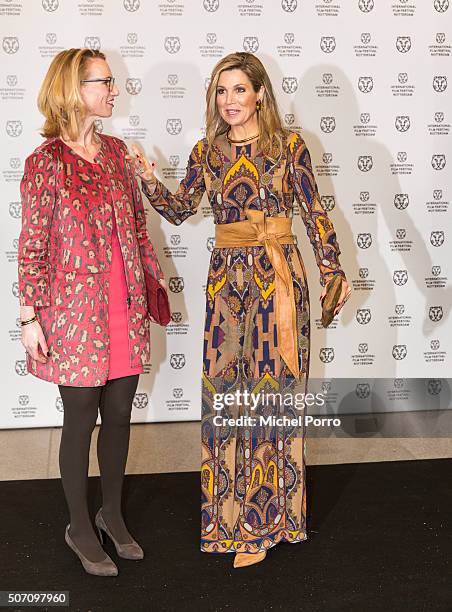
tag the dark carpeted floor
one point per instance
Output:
(380, 538)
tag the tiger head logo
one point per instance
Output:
(177, 361)
(140, 401)
(399, 351)
(363, 316)
(435, 313)
(176, 284)
(326, 354)
(362, 390)
(403, 44)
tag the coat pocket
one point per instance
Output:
(76, 290)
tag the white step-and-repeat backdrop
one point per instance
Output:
(369, 85)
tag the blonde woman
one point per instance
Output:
(83, 310)
(257, 332)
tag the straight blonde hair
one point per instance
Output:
(269, 121)
(59, 98)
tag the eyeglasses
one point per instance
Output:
(109, 81)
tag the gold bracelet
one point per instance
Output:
(32, 320)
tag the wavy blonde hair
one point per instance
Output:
(59, 98)
(269, 121)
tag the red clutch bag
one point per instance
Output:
(158, 302)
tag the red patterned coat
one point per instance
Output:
(65, 255)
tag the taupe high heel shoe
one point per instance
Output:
(126, 551)
(106, 567)
(245, 559)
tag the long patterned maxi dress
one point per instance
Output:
(252, 475)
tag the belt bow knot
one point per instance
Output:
(271, 233)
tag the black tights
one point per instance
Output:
(81, 404)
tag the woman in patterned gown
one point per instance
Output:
(257, 326)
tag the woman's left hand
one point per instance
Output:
(345, 294)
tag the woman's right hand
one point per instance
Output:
(33, 339)
(142, 166)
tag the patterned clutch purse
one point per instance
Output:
(329, 303)
(158, 302)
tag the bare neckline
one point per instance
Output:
(88, 161)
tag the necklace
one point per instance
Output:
(240, 141)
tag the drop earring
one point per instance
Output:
(259, 105)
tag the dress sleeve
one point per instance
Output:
(37, 190)
(319, 227)
(149, 257)
(181, 205)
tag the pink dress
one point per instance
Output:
(117, 312)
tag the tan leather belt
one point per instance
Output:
(270, 232)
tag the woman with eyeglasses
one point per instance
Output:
(85, 324)
(257, 323)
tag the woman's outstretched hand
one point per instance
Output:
(142, 166)
(345, 294)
